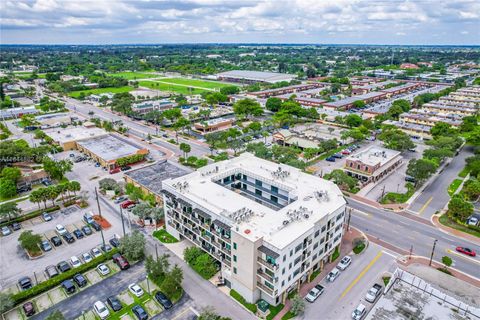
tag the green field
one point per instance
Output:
(129, 75)
(196, 83)
(76, 94)
(170, 87)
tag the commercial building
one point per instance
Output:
(268, 225)
(246, 76)
(150, 178)
(286, 90)
(67, 138)
(148, 106)
(372, 164)
(286, 137)
(213, 125)
(17, 112)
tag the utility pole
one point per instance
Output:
(100, 214)
(123, 222)
(383, 192)
(433, 251)
(349, 216)
(411, 251)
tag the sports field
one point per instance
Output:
(134, 75)
(196, 83)
(170, 87)
(76, 94)
(183, 86)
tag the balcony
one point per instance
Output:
(264, 288)
(268, 265)
(265, 275)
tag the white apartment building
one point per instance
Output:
(269, 225)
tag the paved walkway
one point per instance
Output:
(346, 248)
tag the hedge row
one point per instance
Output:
(237, 296)
(55, 281)
(30, 215)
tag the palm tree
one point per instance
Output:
(61, 189)
(52, 194)
(35, 197)
(74, 186)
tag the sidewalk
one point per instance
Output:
(345, 248)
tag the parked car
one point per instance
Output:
(332, 275)
(127, 203)
(136, 290)
(163, 300)
(87, 230)
(86, 257)
(45, 245)
(88, 217)
(63, 266)
(116, 170)
(121, 261)
(410, 179)
(330, 159)
(114, 242)
(46, 217)
(51, 271)
(101, 309)
(346, 152)
(359, 312)
(139, 312)
(344, 263)
(320, 288)
(68, 286)
(75, 262)
(312, 295)
(68, 237)
(120, 199)
(103, 269)
(472, 221)
(56, 241)
(60, 229)
(80, 280)
(25, 283)
(29, 309)
(125, 168)
(106, 248)
(6, 231)
(78, 234)
(467, 251)
(16, 226)
(96, 253)
(96, 226)
(114, 303)
(338, 156)
(373, 293)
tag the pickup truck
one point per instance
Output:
(373, 293)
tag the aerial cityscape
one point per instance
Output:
(239, 160)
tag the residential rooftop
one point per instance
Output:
(309, 198)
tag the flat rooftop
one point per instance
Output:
(349, 100)
(313, 198)
(257, 75)
(151, 177)
(74, 134)
(374, 155)
(110, 147)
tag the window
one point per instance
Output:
(291, 253)
(258, 183)
(315, 246)
(289, 278)
(317, 233)
(258, 192)
(314, 256)
(274, 189)
(284, 258)
(297, 261)
(296, 272)
(244, 177)
(235, 270)
(324, 228)
(298, 248)
(289, 266)
(283, 283)
(322, 240)
(283, 271)
(274, 199)
(235, 246)
(234, 258)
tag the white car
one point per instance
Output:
(344, 263)
(373, 293)
(86, 257)
(103, 269)
(359, 312)
(60, 229)
(136, 290)
(332, 275)
(96, 252)
(313, 295)
(75, 262)
(101, 309)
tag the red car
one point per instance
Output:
(127, 203)
(116, 170)
(467, 251)
(121, 262)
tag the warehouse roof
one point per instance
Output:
(263, 76)
(110, 147)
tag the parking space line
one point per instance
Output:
(181, 313)
(379, 254)
(425, 206)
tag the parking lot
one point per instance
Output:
(343, 295)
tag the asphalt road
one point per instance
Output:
(435, 196)
(83, 301)
(403, 232)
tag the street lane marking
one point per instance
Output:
(362, 213)
(425, 206)
(182, 313)
(360, 276)
(462, 256)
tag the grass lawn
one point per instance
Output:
(464, 173)
(446, 221)
(288, 315)
(163, 236)
(128, 309)
(170, 87)
(359, 248)
(250, 306)
(130, 75)
(76, 94)
(454, 186)
(197, 83)
(393, 197)
(274, 310)
(335, 254)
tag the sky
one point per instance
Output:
(416, 22)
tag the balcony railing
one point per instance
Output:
(267, 264)
(265, 275)
(264, 288)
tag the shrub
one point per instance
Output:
(30, 241)
(250, 306)
(200, 261)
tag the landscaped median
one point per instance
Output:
(454, 186)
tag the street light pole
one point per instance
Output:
(433, 251)
(123, 221)
(148, 285)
